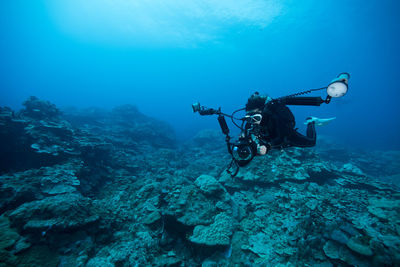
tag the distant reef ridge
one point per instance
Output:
(41, 135)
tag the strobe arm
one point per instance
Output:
(304, 101)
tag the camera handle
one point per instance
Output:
(234, 166)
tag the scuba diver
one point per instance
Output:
(276, 124)
(269, 123)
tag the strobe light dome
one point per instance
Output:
(339, 86)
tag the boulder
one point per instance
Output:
(339, 236)
(40, 109)
(350, 168)
(35, 184)
(357, 246)
(331, 250)
(217, 234)
(56, 213)
(8, 236)
(261, 245)
(209, 185)
(189, 206)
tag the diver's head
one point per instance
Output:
(255, 104)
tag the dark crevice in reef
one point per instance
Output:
(14, 158)
(16, 153)
(322, 177)
(175, 229)
(178, 234)
(17, 200)
(241, 185)
(367, 187)
(92, 180)
(202, 252)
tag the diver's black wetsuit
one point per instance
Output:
(278, 128)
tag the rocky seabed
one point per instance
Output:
(114, 188)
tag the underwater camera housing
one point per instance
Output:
(243, 151)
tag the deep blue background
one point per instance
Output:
(304, 47)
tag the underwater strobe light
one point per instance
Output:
(339, 86)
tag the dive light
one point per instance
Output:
(339, 86)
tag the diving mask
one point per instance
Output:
(253, 119)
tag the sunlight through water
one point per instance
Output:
(160, 22)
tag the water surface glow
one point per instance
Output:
(176, 22)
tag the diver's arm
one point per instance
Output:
(275, 131)
(303, 101)
(278, 140)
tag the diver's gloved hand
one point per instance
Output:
(262, 150)
(318, 121)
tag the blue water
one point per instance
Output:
(164, 55)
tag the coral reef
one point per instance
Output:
(114, 188)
